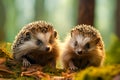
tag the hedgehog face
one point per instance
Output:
(82, 44)
(45, 41)
(40, 41)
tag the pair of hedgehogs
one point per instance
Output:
(37, 43)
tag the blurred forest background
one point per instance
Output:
(64, 15)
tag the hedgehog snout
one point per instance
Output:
(79, 52)
(47, 48)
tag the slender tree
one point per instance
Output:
(118, 19)
(39, 9)
(86, 12)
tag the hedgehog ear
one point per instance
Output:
(55, 34)
(27, 36)
(71, 33)
(97, 40)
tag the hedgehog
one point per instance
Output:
(36, 43)
(83, 48)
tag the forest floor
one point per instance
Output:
(12, 70)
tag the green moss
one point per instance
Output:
(52, 72)
(101, 73)
(5, 50)
(108, 72)
(25, 78)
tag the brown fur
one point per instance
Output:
(95, 57)
(45, 58)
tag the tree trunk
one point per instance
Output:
(2, 21)
(118, 19)
(86, 12)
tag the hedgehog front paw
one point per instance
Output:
(26, 63)
(73, 67)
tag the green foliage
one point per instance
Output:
(113, 52)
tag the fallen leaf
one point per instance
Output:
(5, 72)
(2, 60)
(34, 71)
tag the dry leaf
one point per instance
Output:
(4, 71)
(34, 71)
(2, 60)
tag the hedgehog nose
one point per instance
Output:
(79, 52)
(47, 48)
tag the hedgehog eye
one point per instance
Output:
(39, 42)
(87, 46)
(76, 43)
